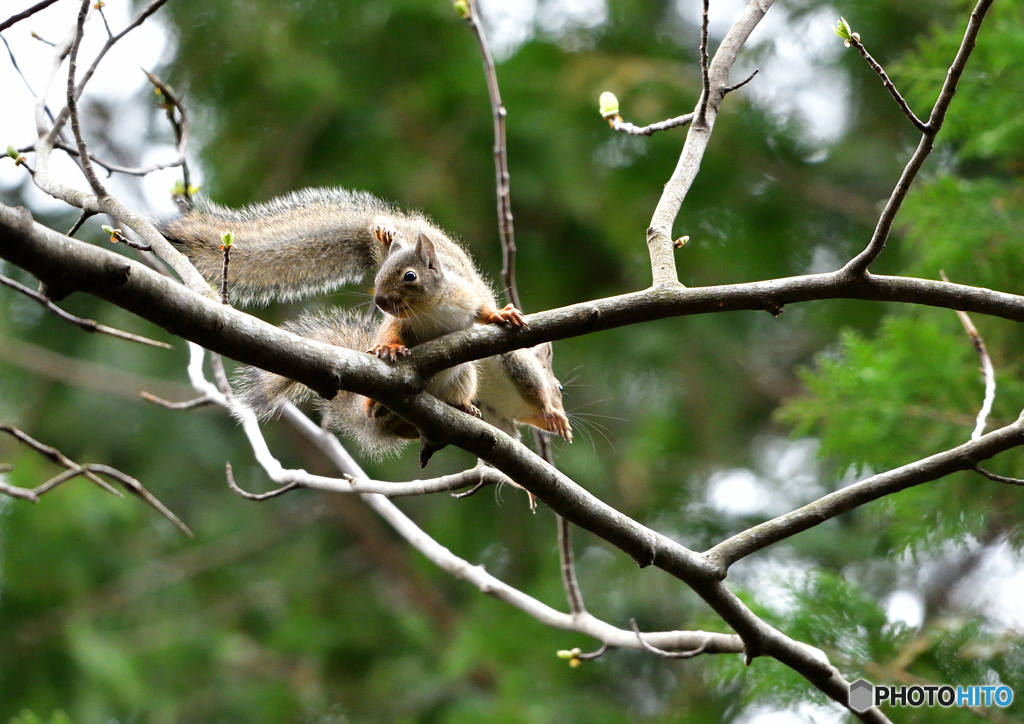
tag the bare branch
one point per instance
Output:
(89, 471)
(964, 457)
(659, 234)
(620, 125)
(844, 31)
(665, 654)
(505, 229)
(705, 80)
(86, 215)
(186, 405)
(54, 455)
(72, 101)
(568, 567)
(997, 478)
(987, 370)
(485, 582)
(730, 88)
(252, 496)
(87, 325)
(26, 14)
(858, 266)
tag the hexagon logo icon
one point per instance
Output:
(862, 695)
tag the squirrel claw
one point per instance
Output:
(468, 409)
(508, 315)
(390, 351)
(383, 231)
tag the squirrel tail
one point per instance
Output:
(308, 242)
(265, 392)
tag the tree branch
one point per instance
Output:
(18, 17)
(964, 457)
(859, 264)
(659, 234)
(87, 325)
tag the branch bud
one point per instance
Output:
(843, 30)
(678, 243)
(462, 8)
(115, 234)
(609, 105)
(227, 239)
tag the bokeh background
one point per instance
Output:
(308, 608)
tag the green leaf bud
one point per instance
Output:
(609, 105)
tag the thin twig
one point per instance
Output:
(112, 168)
(625, 127)
(987, 370)
(87, 325)
(56, 456)
(568, 567)
(665, 654)
(591, 655)
(72, 101)
(730, 88)
(134, 486)
(99, 8)
(505, 229)
(25, 14)
(181, 126)
(705, 78)
(138, 20)
(186, 405)
(997, 478)
(226, 248)
(858, 266)
(86, 215)
(889, 85)
(253, 496)
(472, 491)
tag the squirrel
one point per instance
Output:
(516, 387)
(316, 240)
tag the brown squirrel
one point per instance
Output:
(516, 387)
(316, 240)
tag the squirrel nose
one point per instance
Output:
(381, 301)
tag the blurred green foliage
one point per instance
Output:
(308, 609)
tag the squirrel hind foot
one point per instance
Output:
(508, 315)
(467, 408)
(389, 351)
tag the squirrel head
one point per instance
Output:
(410, 275)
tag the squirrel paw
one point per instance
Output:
(390, 351)
(558, 423)
(383, 230)
(467, 408)
(509, 315)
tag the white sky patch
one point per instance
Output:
(786, 476)
(512, 23)
(117, 82)
(905, 607)
(798, 78)
(803, 713)
(996, 588)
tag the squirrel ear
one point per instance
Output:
(546, 353)
(425, 250)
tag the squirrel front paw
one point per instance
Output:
(384, 230)
(467, 408)
(558, 423)
(390, 351)
(509, 315)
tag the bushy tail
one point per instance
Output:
(308, 242)
(265, 392)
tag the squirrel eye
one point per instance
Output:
(410, 276)
(559, 386)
